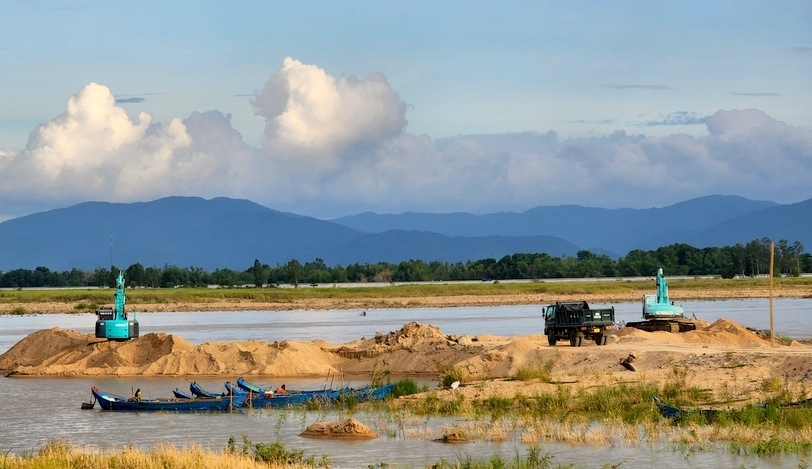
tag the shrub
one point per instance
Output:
(405, 387)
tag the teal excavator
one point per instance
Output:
(112, 323)
(660, 313)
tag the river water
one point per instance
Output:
(34, 411)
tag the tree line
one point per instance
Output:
(749, 260)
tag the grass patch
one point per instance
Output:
(449, 374)
(86, 307)
(404, 387)
(535, 370)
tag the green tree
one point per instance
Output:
(259, 274)
(135, 275)
(294, 271)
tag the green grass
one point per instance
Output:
(535, 370)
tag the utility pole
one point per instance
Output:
(772, 265)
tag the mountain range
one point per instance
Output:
(232, 233)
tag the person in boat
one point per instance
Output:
(281, 390)
(137, 396)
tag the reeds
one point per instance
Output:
(59, 454)
(623, 414)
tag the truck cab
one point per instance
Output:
(574, 321)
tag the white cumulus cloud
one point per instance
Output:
(94, 151)
(311, 113)
(336, 146)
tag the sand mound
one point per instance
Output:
(410, 334)
(630, 334)
(68, 353)
(724, 331)
(350, 429)
(38, 346)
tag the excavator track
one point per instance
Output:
(663, 325)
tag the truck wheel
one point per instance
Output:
(551, 340)
(576, 340)
(601, 339)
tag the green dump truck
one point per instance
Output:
(574, 321)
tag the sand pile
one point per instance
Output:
(40, 345)
(349, 429)
(724, 331)
(414, 349)
(68, 353)
(410, 334)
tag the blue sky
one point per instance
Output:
(328, 108)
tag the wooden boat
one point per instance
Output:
(246, 386)
(321, 394)
(200, 392)
(365, 393)
(379, 393)
(668, 411)
(671, 412)
(267, 399)
(109, 401)
(180, 394)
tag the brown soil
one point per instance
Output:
(348, 429)
(452, 438)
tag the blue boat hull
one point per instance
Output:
(260, 397)
(200, 392)
(266, 399)
(109, 401)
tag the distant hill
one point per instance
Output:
(231, 233)
(226, 233)
(612, 231)
(792, 222)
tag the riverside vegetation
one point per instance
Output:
(60, 455)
